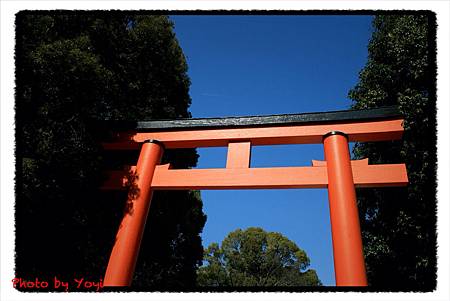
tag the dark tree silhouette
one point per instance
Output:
(72, 68)
(399, 225)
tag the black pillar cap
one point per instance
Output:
(334, 133)
(155, 142)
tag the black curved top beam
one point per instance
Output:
(256, 121)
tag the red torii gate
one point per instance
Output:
(338, 172)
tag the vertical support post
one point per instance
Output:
(347, 243)
(238, 155)
(123, 257)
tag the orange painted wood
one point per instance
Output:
(383, 175)
(274, 178)
(238, 155)
(122, 261)
(338, 173)
(244, 178)
(349, 266)
(380, 175)
(362, 131)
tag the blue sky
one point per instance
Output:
(263, 65)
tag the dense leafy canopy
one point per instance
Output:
(72, 68)
(254, 257)
(399, 231)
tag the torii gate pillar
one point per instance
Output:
(125, 252)
(346, 234)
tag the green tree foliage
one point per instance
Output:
(72, 68)
(254, 257)
(399, 231)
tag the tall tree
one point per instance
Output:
(74, 67)
(254, 257)
(399, 225)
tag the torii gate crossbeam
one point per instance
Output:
(338, 172)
